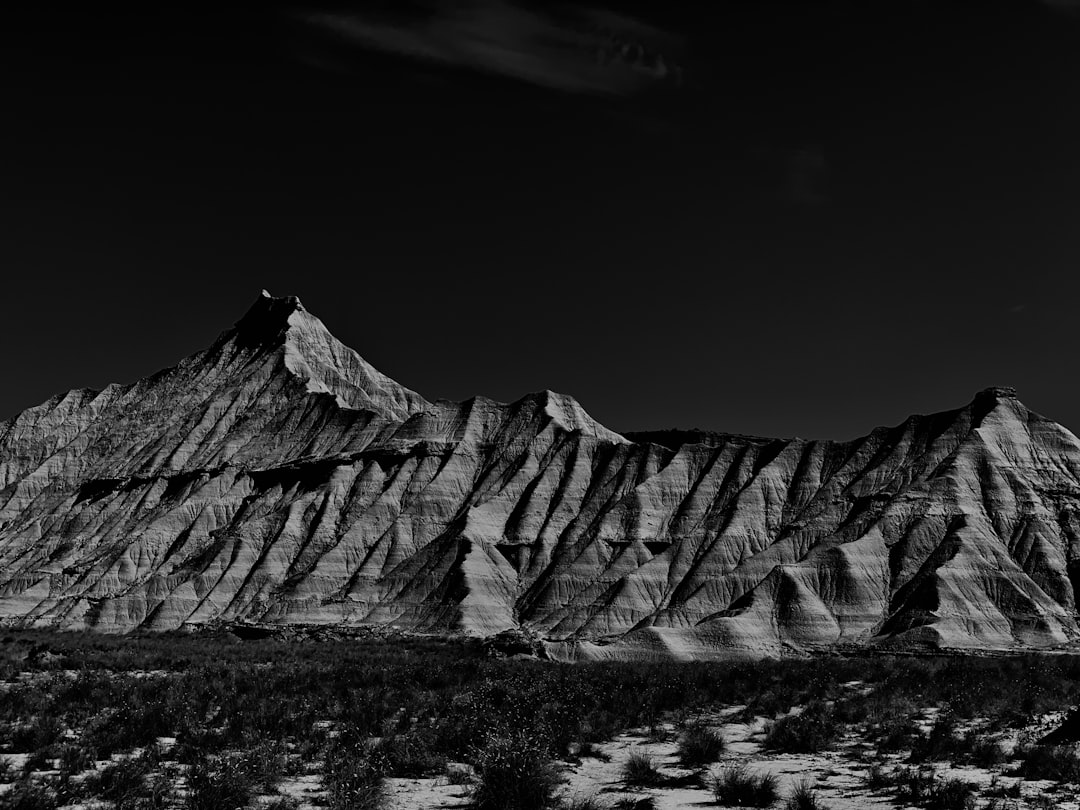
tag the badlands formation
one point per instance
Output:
(278, 479)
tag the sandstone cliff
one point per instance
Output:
(278, 478)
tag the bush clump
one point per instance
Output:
(803, 797)
(951, 794)
(121, 782)
(640, 770)
(926, 788)
(809, 732)
(735, 785)
(941, 744)
(914, 785)
(27, 796)
(700, 746)
(1056, 762)
(353, 778)
(216, 786)
(409, 755)
(515, 772)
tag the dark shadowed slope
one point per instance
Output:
(276, 477)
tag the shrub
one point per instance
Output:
(640, 770)
(877, 777)
(700, 746)
(409, 755)
(459, 774)
(807, 733)
(158, 793)
(658, 733)
(121, 782)
(914, 785)
(995, 788)
(587, 803)
(589, 749)
(106, 734)
(893, 737)
(942, 743)
(1056, 762)
(27, 796)
(213, 787)
(641, 803)
(951, 794)
(515, 773)
(39, 760)
(75, 758)
(803, 797)
(735, 785)
(38, 733)
(352, 777)
(263, 764)
(986, 752)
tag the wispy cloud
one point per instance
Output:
(551, 46)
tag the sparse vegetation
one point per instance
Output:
(1057, 762)
(246, 714)
(877, 777)
(28, 796)
(699, 746)
(998, 790)
(812, 730)
(586, 803)
(588, 749)
(640, 770)
(951, 794)
(736, 785)
(1040, 802)
(940, 744)
(515, 773)
(353, 779)
(926, 788)
(122, 782)
(803, 797)
(915, 785)
(213, 785)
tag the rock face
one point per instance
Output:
(278, 478)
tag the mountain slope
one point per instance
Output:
(277, 477)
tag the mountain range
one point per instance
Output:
(276, 478)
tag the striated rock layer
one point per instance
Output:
(278, 478)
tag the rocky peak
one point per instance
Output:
(313, 354)
(268, 321)
(995, 394)
(567, 412)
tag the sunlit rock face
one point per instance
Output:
(278, 478)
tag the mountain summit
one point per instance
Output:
(321, 360)
(276, 477)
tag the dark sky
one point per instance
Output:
(838, 216)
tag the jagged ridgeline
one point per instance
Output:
(277, 478)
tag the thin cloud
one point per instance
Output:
(572, 51)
